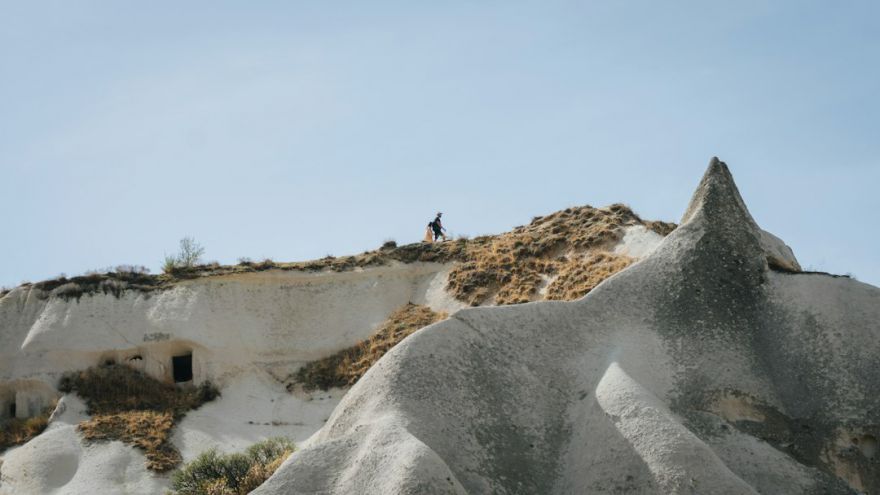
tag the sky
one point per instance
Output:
(293, 130)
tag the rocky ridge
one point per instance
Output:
(699, 369)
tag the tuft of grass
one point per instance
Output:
(578, 277)
(212, 473)
(662, 228)
(169, 264)
(346, 367)
(14, 431)
(130, 406)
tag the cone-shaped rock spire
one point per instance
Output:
(718, 242)
(717, 198)
(717, 207)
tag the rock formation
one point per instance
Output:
(703, 368)
(710, 364)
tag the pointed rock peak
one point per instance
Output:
(717, 200)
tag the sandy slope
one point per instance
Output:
(696, 370)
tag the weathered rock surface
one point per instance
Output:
(245, 332)
(696, 370)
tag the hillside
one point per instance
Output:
(253, 330)
(702, 368)
(542, 247)
(588, 351)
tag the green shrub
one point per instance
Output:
(270, 449)
(232, 474)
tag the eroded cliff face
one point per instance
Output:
(268, 319)
(503, 399)
(247, 329)
(246, 332)
(704, 368)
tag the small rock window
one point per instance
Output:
(12, 410)
(182, 367)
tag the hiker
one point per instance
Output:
(437, 227)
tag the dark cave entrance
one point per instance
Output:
(12, 410)
(182, 368)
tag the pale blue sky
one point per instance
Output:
(293, 130)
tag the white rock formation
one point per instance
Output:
(245, 332)
(696, 370)
(710, 366)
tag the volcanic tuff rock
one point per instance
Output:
(699, 369)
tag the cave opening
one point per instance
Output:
(182, 368)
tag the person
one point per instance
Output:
(437, 227)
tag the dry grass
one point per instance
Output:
(579, 276)
(16, 431)
(347, 366)
(510, 266)
(662, 228)
(149, 431)
(130, 406)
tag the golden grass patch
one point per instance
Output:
(347, 366)
(510, 266)
(130, 406)
(149, 431)
(580, 275)
(15, 431)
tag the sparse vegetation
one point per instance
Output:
(190, 252)
(346, 367)
(189, 256)
(130, 406)
(15, 431)
(113, 282)
(510, 267)
(169, 264)
(212, 473)
(662, 228)
(131, 269)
